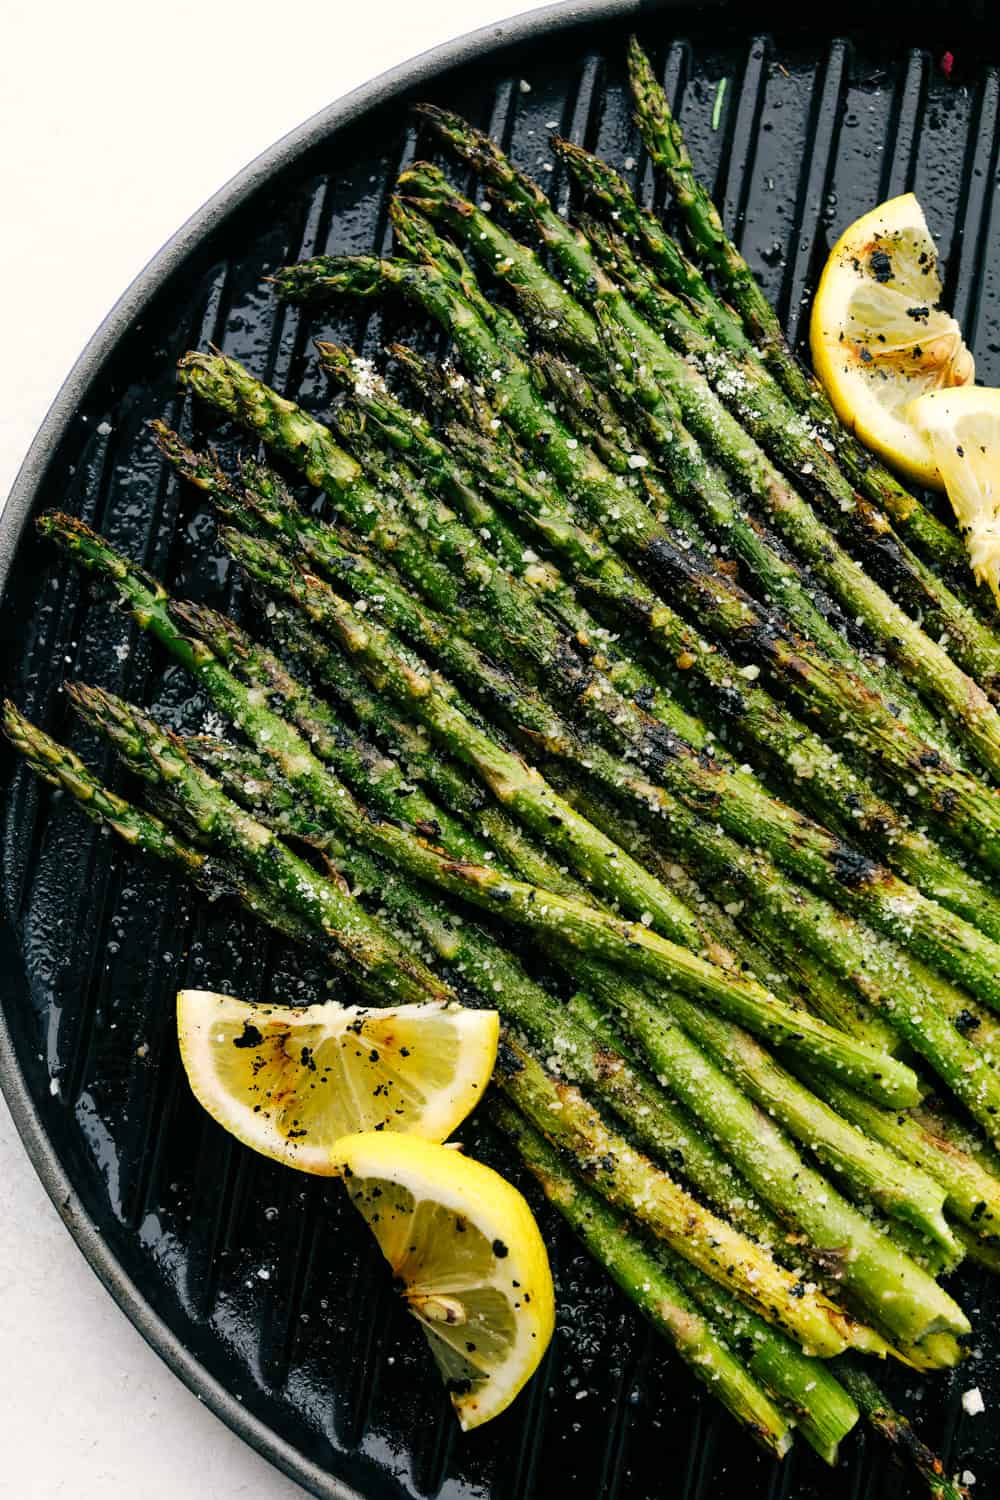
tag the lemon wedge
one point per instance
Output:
(290, 1081)
(962, 430)
(468, 1258)
(879, 337)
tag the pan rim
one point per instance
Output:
(483, 44)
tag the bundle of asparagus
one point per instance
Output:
(614, 638)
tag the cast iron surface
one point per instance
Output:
(256, 1284)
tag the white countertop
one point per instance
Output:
(102, 160)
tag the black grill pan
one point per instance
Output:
(255, 1284)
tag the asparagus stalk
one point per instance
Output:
(631, 1183)
(374, 776)
(504, 602)
(569, 923)
(800, 972)
(645, 1281)
(654, 1120)
(897, 1431)
(604, 186)
(824, 1418)
(976, 1082)
(455, 731)
(760, 405)
(601, 184)
(918, 1201)
(666, 146)
(423, 762)
(897, 908)
(956, 800)
(885, 1281)
(126, 726)
(822, 1411)
(462, 796)
(159, 757)
(141, 830)
(379, 416)
(273, 738)
(824, 778)
(563, 321)
(919, 1019)
(755, 398)
(942, 937)
(955, 946)
(931, 667)
(972, 1186)
(656, 1123)
(926, 1018)
(748, 1137)
(595, 421)
(215, 876)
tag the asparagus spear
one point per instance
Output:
(270, 731)
(959, 949)
(210, 872)
(919, 1018)
(941, 937)
(656, 1123)
(824, 1417)
(157, 756)
(780, 1367)
(666, 146)
(824, 778)
(898, 1432)
(652, 1117)
(972, 1186)
(800, 972)
(160, 757)
(141, 830)
(645, 1281)
(823, 1412)
(956, 800)
(634, 1185)
(962, 1066)
(595, 421)
(748, 1137)
(603, 185)
(379, 779)
(813, 1121)
(954, 945)
(933, 670)
(761, 406)
(461, 795)
(453, 788)
(772, 1167)
(572, 924)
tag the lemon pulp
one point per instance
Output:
(962, 429)
(468, 1257)
(289, 1081)
(879, 336)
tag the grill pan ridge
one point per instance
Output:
(257, 1285)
